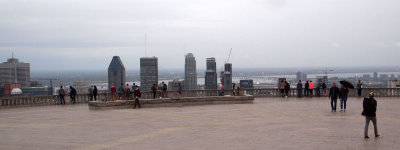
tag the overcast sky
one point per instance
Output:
(85, 34)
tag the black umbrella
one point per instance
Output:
(347, 84)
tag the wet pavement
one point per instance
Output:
(268, 123)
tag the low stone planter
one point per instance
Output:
(168, 102)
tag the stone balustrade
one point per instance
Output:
(84, 98)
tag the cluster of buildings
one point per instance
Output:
(149, 74)
(15, 79)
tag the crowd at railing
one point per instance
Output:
(84, 98)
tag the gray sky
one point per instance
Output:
(85, 34)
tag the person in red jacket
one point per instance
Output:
(113, 91)
(137, 96)
(311, 88)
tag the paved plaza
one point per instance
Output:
(268, 123)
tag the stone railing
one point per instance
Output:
(84, 98)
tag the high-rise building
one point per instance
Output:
(190, 72)
(301, 76)
(375, 76)
(228, 77)
(211, 74)
(148, 72)
(116, 73)
(14, 71)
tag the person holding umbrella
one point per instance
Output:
(344, 93)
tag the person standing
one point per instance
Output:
(72, 94)
(299, 88)
(164, 89)
(137, 95)
(61, 94)
(311, 88)
(128, 92)
(318, 89)
(179, 88)
(95, 93)
(113, 92)
(333, 95)
(233, 88)
(369, 111)
(154, 90)
(221, 90)
(324, 88)
(343, 94)
(306, 89)
(121, 91)
(282, 88)
(90, 93)
(359, 88)
(287, 89)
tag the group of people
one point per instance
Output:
(92, 91)
(163, 90)
(320, 89)
(125, 92)
(62, 94)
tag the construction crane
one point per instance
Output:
(229, 56)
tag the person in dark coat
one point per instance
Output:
(287, 89)
(95, 93)
(61, 94)
(333, 95)
(180, 89)
(72, 94)
(318, 89)
(343, 95)
(137, 95)
(121, 91)
(154, 90)
(90, 93)
(369, 111)
(299, 88)
(324, 88)
(306, 89)
(359, 88)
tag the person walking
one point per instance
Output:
(311, 88)
(137, 95)
(282, 88)
(179, 88)
(333, 95)
(128, 92)
(164, 89)
(90, 93)
(287, 89)
(154, 90)
(343, 94)
(72, 94)
(113, 92)
(121, 90)
(299, 88)
(306, 89)
(95, 93)
(61, 94)
(369, 111)
(359, 88)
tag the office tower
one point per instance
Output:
(190, 72)
(148, 72)
(211, 74)
(375, 76)
(116, 73)
(14, 71)
(228, 77)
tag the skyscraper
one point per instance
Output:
(190, 72)
(301, 76)
(228, 77)
(148, 72)
(211, 74)
(116, 72)
(14, 71)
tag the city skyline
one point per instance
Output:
(54, 36)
